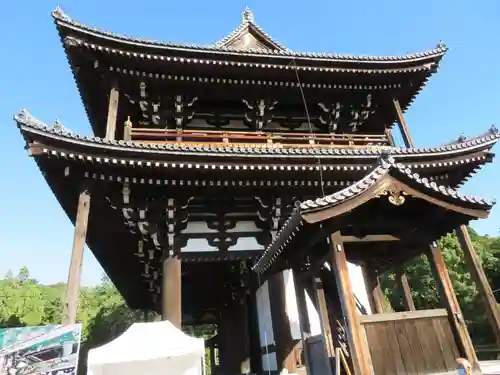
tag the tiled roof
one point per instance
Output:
(29, 123)
(64, 20)
(385, 165)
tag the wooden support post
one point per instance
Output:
(357, 343)
(374, 290)
(75, 268)
(241, 326)
(450, 302)
(405, 133)
(403, 284)
(388, 133)
(253, 329)
(171, 290)
(112, 112)
(325, 318)
(281, 324)
(304, 323)
(212, 358)
(480, 279)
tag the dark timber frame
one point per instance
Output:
(203, 167)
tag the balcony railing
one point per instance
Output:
(256, 139)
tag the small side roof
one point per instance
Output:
(388, 178)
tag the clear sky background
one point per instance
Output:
(463, 97)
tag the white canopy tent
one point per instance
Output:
(155, 348)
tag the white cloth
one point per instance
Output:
(154, 348)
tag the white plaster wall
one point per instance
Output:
(293, 310)
(201, 244)
(359, 289)
(359, 285)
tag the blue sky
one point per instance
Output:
(463, 97)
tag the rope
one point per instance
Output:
(309, 123)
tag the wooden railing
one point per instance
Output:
(259, 139)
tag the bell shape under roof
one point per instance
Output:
(249, 36)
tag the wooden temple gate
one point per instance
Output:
(205, 166)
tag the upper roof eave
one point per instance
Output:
(64, 22)
(29, 124)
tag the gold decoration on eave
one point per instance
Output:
(395, 195)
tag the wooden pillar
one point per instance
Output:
(253, 331)
(112, 112)
(171, 290)
(325, 318)
(212, 358)
(281, 324)
(404, 286)
(450, 302)
(304, 323)
(388, 133)
(357, 343)
(75, 268)
(480, 279)
(405, 133)
(240, 328)
(374, 290)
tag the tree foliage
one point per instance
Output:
(102, 311)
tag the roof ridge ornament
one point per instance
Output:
(494, 130)
(247, 16)
(441, 45)
(59, 13)
(385, 160)
(59, 127)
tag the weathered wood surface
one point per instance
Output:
(416, 342)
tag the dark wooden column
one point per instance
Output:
(326, 327)
(374, 290)
(114, 95)
(75, 268)
(404, 286)
(357, 345)
(390, 137)
(479, 277)
(281, 324)
(304, 323)
(405, 133)
(253, 329)
(212, 358)
(171, 290)
(450, 302)
(240, 328)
